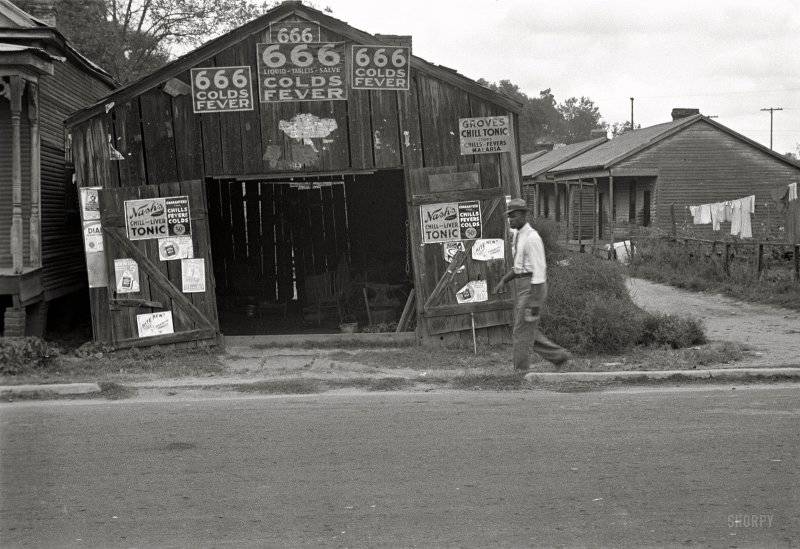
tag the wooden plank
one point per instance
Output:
(283, 238)
(210, 125)
(158, 136)
(453, 196)
(250, 121)
(268, 240)
(134, 149)
(217, 230)
(230, 124)
(443, 182)
(410, 134)
(385, 129)
(172, 270)
(359, 129)
(188, 135)
(466, 308)
(444, 281)
(329, 228)
(341, 234)
(237, 222)
(166, 339)
(408, 311)
(206, 301)
(252, 200)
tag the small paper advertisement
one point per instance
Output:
(92, 236)
(153, 324)
(175, 247)
(487, 249)
(193, 275)
(450, 221)
(126, 273)
(450, 249)
(473, 291)
(90, 203)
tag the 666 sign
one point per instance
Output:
(381, 67)
(301, 72)
(222, 89)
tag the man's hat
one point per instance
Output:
(516, 204)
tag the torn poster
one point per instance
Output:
(153, 324)
(126, 273)
(193, 275)
(473, 291)
(486, 249)
(175, 247)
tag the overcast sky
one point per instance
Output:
(728, 58)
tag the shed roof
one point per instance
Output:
(535, 164)
(282, 11)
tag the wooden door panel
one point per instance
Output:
(194, 315)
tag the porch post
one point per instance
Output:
(611, 220)
(16, 86)
(596, 229)
(36, 177)
(580, 212)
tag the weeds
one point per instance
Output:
(699, 267)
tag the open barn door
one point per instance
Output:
(161, 283)
(458, 230)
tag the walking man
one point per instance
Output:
(529, 274)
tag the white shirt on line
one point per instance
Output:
(528, 250)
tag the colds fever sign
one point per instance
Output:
(158, 217)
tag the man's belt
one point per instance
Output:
(522, 275)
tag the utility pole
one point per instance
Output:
(771, 110)
(632, 113)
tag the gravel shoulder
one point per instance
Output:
(772, 332)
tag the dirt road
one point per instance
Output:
(772, 332)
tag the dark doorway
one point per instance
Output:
(307, 254)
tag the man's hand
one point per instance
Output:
(499, 288)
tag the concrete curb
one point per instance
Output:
(720, 374)
(399, 339)
(54, 388)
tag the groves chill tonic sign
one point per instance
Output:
(485, 135)
(157, 217)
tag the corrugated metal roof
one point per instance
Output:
(535, 165)
(621, 146)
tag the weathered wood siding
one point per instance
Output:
(703, 164)
(162, 140)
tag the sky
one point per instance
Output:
(729, 58)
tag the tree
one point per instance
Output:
(539, 119)
(580, 117)
(130, 38)
(618, 128)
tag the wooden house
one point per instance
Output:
(325, 169)
(42, 80)
(609, 189)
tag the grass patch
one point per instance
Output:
(694, 266)
(487, 382)
(160, 362)
(114, 391)
(281, 386)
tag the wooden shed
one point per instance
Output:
(328, 173)
(42, 80)
(649, 178)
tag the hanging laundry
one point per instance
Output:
(717, 214)
(792, 191)
(740, 218)
(701, 215)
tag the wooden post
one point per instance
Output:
(760, 261)
(596, 229)
(726, 260)
(36, 177)
(611, 220)
(16, 84)
(580, 214)
(797, 263)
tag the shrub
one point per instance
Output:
(22, 354)
(674, 331)
(548, 229)
(589, 309)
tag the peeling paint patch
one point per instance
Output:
(407, 138)
(272, 154)
(308, 126)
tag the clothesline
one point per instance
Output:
(736, 211)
